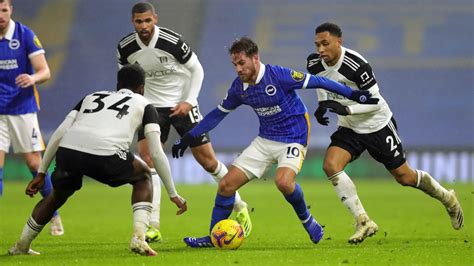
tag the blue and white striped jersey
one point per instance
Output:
(16, 48)
(283, 116)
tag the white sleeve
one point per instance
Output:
(160, 161)
(197, 75)
(53, 143)
(362, 108)
(322, 95)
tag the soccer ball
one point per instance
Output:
(227, 234)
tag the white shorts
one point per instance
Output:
(262, 154)
(22, 132)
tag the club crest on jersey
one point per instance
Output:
(163, 59)
(14, 44)
(297, 76)
(37, 42)
(270, 90)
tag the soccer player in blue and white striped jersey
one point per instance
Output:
(283, 134)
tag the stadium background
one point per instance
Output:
(421, 53)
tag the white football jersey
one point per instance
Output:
(354, 71)
(163, 61)
(106, 122)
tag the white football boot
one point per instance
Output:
(364, 228)
(455, 211)
(140, 246)
(17, 250)
(57, 228)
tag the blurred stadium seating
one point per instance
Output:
(421, 53)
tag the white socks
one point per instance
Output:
(430, 186)
(347, 193)
(30, 232)
(218, 174)
(141, 217)
(156, 202)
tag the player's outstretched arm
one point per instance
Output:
(360, 96)
(209, 122)
(162, 166)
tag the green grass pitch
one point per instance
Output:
(413, 228)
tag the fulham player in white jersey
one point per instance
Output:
(173, 80)
(364, 127)
(94, 140)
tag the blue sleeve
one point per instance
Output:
(295, 80)
(289, 79)
(231, 101)
(209, 122)
(32, 42)
(316, 82)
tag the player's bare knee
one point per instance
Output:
(59, 197)
(406, 179)
(284, 185)
(226, 188)
(330, 167)
(209, 165)
(33, 162)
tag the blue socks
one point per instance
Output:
(296, 199)
(47, 187)
(222, 209)
(1, 182)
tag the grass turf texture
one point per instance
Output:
(413, 228)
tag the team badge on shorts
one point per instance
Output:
(297, 76)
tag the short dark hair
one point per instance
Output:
(332, 28)
(143, 7)
(130, 77)
(9, 1)
(244, 44)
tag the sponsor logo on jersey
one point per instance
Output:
(37, 42)
(163, 59)
(14, 44)
(8, 64)
(159, 73)
(270, 90)
(297, 76)
(267, 111)
(313, 62)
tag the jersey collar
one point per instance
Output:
(11, 30)
(339, 62)
(125, 90)
(261, 72)
(152, 41)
